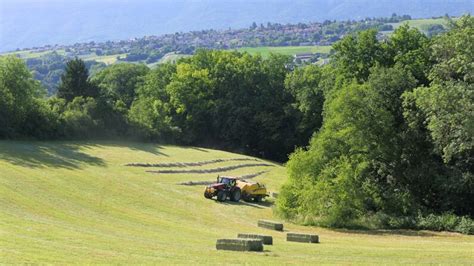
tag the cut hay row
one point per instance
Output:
(239, 244)
(196, 183)
(266, 240)
(250, 176)
(270, 225)
(305, 238)
(187, 164)
(199, 183)
(208, 171)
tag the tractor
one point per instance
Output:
(225, 187)
(235, 189)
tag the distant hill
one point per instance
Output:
(29, 23)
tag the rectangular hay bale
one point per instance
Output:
(270, 225)
(239, 244)
(306, 238)
(266, 240)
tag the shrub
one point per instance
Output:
(446, 222)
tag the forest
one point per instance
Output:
(380, 137)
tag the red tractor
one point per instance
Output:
(225, 187)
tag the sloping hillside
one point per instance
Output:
(64, 202)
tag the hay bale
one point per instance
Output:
(306, 238)
(270, 225)
(266, 240)
(239, 244)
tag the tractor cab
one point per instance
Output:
(227, 181)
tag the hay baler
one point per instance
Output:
(252, 190)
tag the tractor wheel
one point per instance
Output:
(221, 196)
(236, 195)
(246, 197)
(257, 198)
(207, 195)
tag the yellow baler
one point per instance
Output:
(252, 190)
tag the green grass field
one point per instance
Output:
(421, 24)
(172, 58)
(76, 202)
(265, 51)
(28, 54)
(106, 59)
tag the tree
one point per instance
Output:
(75, 81)
(305, 84)
(409, 49)
(191, 95)
(453, 54)
(151, 112)
(119, 82)
(443, 112)
(330, 181)
(78, 117)
(355, 55)
(18, 95)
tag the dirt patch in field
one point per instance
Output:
(199, 183)
(208, 171)
(187, 164)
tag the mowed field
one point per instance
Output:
(422, 24)
(77, 202)
(265, 51)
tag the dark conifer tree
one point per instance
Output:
(75, 81)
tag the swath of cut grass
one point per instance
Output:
(181, 164)
(208, 171)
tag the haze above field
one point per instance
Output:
(28, 23)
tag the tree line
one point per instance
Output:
(395, 149)
(383, 133)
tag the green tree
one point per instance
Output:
(355, 55)
(453, 52)
(75, 81)
(119, 82)
(305, 84)
(79, 120)
(330, 182)
(19, 94)
(443, 112)
(410, 49)
(151, 112)
(191, 96)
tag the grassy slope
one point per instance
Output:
(28, 54)
(285, 50)
(422, 24)
(172, 58)
(106, 59)
(75, 202)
